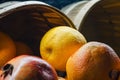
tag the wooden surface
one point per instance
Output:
(98, 20)
(29, 21)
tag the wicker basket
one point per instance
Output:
(28, 21)
(98, 20)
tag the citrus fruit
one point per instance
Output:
(93, 61)
(7, 48)
(22, 48)
(58, 44)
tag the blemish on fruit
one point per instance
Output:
(7, 70)
(49, 50)
(114, 74)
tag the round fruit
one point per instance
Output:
(93, 61)
(7, 48)
(26, 67)
(22, 48)
(58, 44)
(61, 78)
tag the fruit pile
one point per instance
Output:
(65, 54)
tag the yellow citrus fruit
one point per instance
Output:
(7, 48)
(93, 61)
(22, 48)
(58, 44)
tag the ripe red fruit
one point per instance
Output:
(26, 67)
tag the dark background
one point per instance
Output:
(56, 3)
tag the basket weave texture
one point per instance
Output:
(29, 22)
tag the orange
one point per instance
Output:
(58, 44)
(7, 48)
(93, 61)
(22, 48)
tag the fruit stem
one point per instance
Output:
(114, 74)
